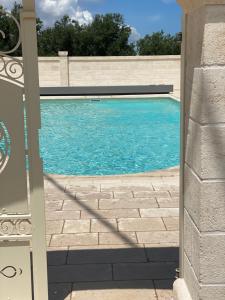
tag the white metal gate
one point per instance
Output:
(23, 267)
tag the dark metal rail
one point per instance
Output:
(106, 90)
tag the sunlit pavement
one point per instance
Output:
(112, 237)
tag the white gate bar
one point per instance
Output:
(32, 102)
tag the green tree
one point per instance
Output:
(10, 33)
(63, 36)
(106, 35)
(160, 43)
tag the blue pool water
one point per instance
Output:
(84, 137)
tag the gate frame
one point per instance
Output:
(35, 215)
(32, 96)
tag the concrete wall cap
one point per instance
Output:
(62, 53)
(125, 58)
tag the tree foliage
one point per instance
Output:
(9, 32)
(107, 35)
(160, 43)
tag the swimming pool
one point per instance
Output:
(109, 137)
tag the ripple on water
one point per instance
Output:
(109, 137)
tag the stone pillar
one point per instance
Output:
(203, 250)
(64, 68)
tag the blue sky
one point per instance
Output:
(143, 16)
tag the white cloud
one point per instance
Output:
(55, 7)
(83, 16)
(51, 10)
(8, 4)
(135, 35)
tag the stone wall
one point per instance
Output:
(95, 71)
(49, 71)
(203, 96)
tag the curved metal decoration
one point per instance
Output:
(15, 227)
(11, 272)
(3, 12)
(11, 68)
(4, 146)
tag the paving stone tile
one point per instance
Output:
(53, 205)
(62, 215)
(69, 239)
(49, 187)
(114, 290)
(116, 246)
(162, 253)
(164, 289)
(175, 198)
(163, 186)
(80, 273)
(94, 195)
(57, 196)
(128, 203)
(103, 225)
(172, 180)
(106, 254)
(141, 224)
(158, 237)
(77, 204)
(123, 195)
(171, 223)
(168, 202)
(73, 188)
(140, 271)
(172, 172)
(111, 238)
(125, 187)
(53, 227)
(60, 291)
(57, 256)
(159, 245)
(174, 194)
(149, 194)
(110, 214)
(159, 212)
(76, 226)
(146, 188)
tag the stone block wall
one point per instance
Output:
(49, 71)
(203, 265)
(103, 71)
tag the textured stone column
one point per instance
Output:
(64, 68)
(203, 264)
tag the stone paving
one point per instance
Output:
(112, 237)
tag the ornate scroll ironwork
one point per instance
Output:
(4, 146)
(11, 272)
(11, 68)
(15, 227)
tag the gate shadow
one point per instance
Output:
(108, 269)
